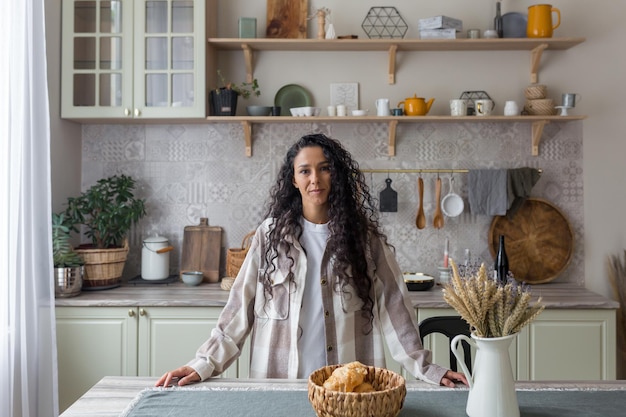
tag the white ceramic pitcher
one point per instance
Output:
(492, 388)
(382, 107)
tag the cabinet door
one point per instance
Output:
(170, 336)
(569, 345)
(97, 58)
(170, 46)
(93, 342)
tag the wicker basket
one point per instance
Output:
(386, 401)
(540, 107)
(103, 267)
(235, 256)
(535, 91)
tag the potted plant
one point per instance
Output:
(68, 265)
(107, 210)
(223, 100)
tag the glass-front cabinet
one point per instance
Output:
(134, 59)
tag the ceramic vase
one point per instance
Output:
(492, 388)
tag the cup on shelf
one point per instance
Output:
(341, 110)
(511, 108)
(332, 111)
(458, 107)
(484, 107)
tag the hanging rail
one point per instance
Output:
(424, 170)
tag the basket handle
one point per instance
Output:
(247, 240)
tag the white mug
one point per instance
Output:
(341, 110)
(484, 107)
(511, 108)
(458, 107)
(332, 110)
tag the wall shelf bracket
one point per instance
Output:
(535, 58)
(537, 132)
(392, 64)
(247, 54)
(392, 137)
(247, 135)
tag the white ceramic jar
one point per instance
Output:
(155, 258)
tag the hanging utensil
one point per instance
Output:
(438, 218)
(452, 204)
(420, 219)
(388, 198)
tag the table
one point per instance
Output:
(112, 395)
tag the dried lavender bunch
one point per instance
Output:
(491, 310)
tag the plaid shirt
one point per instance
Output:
(273, 322)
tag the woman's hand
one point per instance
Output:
(184, 375)
(450, 378)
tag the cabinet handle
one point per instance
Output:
(137, 113)
(127, 112)
(131, 313)
(142, 312)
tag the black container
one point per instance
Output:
(223, 102)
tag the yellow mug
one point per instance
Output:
(540, 21)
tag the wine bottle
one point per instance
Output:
(501, 267)
(497, 21)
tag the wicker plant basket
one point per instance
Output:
(103, 267)
(540, 107)
(386, 401)
(235, 256)
(535, 91)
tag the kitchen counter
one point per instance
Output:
(112, 395)
(554, 296)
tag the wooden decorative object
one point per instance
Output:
(539, 241)
(202, 245)
(287, 19)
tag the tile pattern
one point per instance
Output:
(190, 171)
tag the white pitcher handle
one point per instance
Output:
(457, 349)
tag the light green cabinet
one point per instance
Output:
(135, 59)
(94, 342)
(561, 344)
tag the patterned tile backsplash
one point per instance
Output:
(188, 171)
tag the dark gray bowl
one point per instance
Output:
(417, 281)
(259, 110)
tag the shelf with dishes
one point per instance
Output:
(538, 124)
(536, 46)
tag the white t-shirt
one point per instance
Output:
(312, 341)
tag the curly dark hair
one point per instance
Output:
(351, 210)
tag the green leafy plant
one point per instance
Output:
(245, 89)
(108, 209)
(62, 253)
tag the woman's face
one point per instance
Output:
(311, 175)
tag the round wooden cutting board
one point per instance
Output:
(538, 240)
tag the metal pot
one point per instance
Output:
(155, 258)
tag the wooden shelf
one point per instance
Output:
(538, 123)
(535, 46)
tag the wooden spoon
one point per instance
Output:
(420, 219)
(438, 218)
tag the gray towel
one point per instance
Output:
(521, 182)
(487, 191)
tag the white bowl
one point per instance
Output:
(359, 112)
(305, 111)
(192, 278)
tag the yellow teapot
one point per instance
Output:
(416, 106)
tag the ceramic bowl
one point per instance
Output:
(259, 110)
(359, 112)
(192, 278)
(417, 281)
(305, 111)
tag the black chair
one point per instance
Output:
(449, 326)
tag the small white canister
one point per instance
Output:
(155, 258)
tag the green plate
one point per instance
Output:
(291, 95)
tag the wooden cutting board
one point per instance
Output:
(539, 241)
(287, 18)
(202, 246)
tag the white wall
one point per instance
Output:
(594, 69)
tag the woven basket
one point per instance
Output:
(386, 401)
(235, 256)
(540, 107)
(103, 267)
(535, 91)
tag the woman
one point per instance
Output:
(319, 285)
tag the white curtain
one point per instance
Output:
(28, 377)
